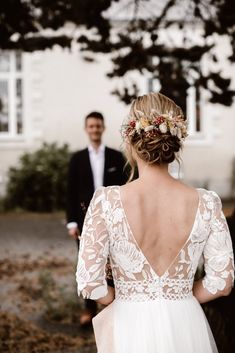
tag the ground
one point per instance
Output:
(39, 304)
(39, 310)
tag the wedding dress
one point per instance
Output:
(151, 313)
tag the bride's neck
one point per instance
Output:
(155, 173)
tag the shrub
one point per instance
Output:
(39, 182)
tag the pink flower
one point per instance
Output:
(159, 120)
(132, 123)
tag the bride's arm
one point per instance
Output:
(108, 299)
(93, 254)
(203, 295)
(218, 258)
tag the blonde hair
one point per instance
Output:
(161, 149)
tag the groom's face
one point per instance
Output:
(94, 128)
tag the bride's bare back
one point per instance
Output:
(160, 218)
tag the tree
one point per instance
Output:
(135, 41)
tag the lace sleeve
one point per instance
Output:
(93, 251)
(218, 251)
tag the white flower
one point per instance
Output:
(138, 127)
(179, 134)
(128, 257)
(148, 128)
(163, 128)
(173, 131)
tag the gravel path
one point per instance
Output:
(35, 234)
(31, 244)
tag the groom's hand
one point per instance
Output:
(74, 233)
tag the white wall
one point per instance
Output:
(210, 161)
(72, 88)
(60, 89)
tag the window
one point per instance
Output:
(193, 111)
(11, 103)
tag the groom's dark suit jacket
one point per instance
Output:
(81, 185)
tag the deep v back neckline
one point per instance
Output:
(139, 248)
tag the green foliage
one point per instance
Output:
(39, 182)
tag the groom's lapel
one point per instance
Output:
(107, 161)
(87, 168)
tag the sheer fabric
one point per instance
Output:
(106, 232)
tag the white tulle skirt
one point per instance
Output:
(158, 326)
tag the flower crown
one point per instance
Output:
(154, 125)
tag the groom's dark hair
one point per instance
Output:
(96, 115)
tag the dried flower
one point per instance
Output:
(138, 126)
(149, 128)
(144, 122)
(163, 128)
(155, 124)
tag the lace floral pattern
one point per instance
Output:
(218, 249)
(93, 252)
(106, 232)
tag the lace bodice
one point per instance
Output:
(106, 233)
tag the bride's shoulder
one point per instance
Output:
(210, 196)
(209, 193)
(129, 188)
(191, 189)
(209, 200)
(109, 192)
(184, 189)
(205, 194)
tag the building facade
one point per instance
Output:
(44, 97)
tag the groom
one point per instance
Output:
(90, 168)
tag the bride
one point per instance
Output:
(154, 230)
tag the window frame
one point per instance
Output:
(191, 107)
(11, 78)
